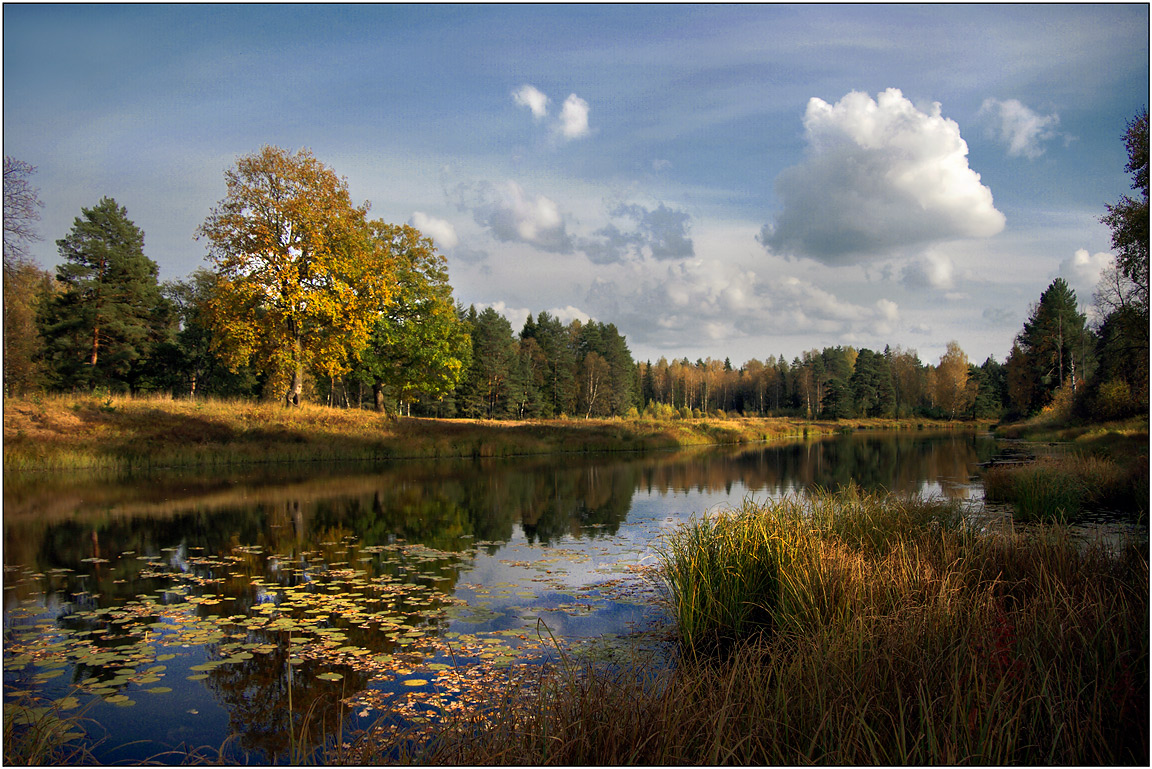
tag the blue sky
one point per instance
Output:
(718, 181)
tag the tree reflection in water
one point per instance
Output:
(358, 567)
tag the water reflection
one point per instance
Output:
(261, 594)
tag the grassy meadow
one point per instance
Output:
(120, 433)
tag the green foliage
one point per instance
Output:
(489, 384)
(553, 363)
(419, 346)
(1054, 348)
(26, 289)
(1128, 218)
(102, 328)
(871, 385)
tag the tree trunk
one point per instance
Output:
(95, 346)
(292, 397)
(378, 396)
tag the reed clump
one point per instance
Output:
(1061, 487)
(872, 630)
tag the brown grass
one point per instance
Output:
(126, 433)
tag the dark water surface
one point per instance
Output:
(175, 610)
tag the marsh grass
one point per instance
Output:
(1059, 488)
(894, 635)
(43, 733)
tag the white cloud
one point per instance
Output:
(1082, 271)
(573, 122)
(879, 176)
(533, 98)
(512, 215)
(932, 270)
(1019, 127)
(442, 232)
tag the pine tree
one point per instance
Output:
(1055, 344)
(102, 328)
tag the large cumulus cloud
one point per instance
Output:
(880, 176)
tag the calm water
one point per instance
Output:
(177, 610)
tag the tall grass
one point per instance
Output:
(42, 733)
(1061, 487)
(891, 633)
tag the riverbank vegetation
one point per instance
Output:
(120, 433)
(852, 628)
(308, 300)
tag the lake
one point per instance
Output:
(174, 610)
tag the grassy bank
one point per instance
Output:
(856, 630)
(1097, 466)
(123, 433)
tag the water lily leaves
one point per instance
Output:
(330, 676)
(159, 690)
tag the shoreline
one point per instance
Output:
(126, 434)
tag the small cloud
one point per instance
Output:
(512, 215)
(879, 175)
(660, 233)
(1017, 126)
(573, 122)
(999, 316)
(664, 230)
(661, 164)
(932, 270)
(442, 232)
(1082, 270)
(533, 98)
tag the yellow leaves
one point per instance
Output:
(298, 264)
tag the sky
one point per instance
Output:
(732, 181)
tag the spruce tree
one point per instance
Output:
(102, 328)
(1055, 344)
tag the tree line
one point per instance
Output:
(308, 298)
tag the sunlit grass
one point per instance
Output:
(120, 432)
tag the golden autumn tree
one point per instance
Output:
(300, 281)
(953, 390)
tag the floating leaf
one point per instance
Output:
(330, 676)
(416, 682)
(159, 689)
